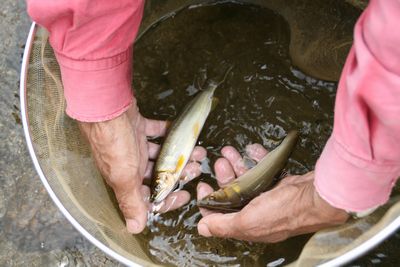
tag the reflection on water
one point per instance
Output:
(262, 98)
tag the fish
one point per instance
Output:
(181, 140)
(235, 195)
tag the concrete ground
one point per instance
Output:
(32, 230)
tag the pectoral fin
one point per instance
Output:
(214, 103)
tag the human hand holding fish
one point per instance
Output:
(293, 207)
(124, 157)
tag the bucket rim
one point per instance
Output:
(56, 200)
(365, 246)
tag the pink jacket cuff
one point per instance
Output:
(97, 90)
(351, 183)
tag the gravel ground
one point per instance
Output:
(32, 230)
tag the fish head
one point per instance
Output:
(164, 183)
(215, 198)
(222, 200)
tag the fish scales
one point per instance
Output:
(180, 141)
(255, 181)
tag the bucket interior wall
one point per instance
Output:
(64, 156)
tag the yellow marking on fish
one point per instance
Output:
(167, 171)
(196, 129)
(179, 163)
(235, 187)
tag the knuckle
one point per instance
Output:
(126, 207)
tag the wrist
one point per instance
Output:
(313, 213)
(328, 212)
(86, 127)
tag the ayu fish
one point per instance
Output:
(180, 141)
(239, 192)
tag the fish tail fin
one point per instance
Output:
(212, 84)
(228, 70)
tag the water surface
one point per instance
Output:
(262, 98)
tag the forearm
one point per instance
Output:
(92, 41)
(361, 162)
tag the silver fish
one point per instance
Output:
(180, 141)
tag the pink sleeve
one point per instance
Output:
(92, 41)
(361, 161)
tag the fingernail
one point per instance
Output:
(203, 230)
(132, 226)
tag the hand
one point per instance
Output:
(291, 208)
(122, 152)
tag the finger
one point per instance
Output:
(174, 201)
(204, 190)
(224, 172)
(235, 159)
(256, 151)
(191, 171)
(219, 225)
(145, 193)
(155, 128)
(130, 197)
(199, 153)
(154, 150)
(149, 170)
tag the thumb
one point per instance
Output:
(133, 203)
(218, 224)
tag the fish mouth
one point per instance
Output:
(164, 185)
(160, 195)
